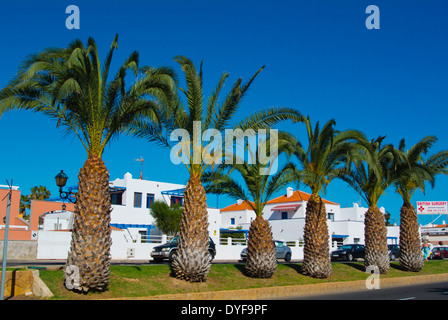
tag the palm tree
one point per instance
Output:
(370, 176)
(321, 162)
(39, 193)
(261, 260)
(410, 173)
(71, 86)
(192, 262)
(24, 204)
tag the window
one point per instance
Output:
(116, 198)
(284, 215)
(331, 216)
(149, 200)
(137, 199)
(176, 200)
(232, 221)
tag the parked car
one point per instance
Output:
(169, 250)
(348, 252)
(394, 251)
(439, 253)
(282, 251)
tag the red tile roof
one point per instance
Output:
(297, 196)
(238, 207)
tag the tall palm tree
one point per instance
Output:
(256, 190)
(192, 262)
(411, 172)
(71, 86)
(328, 150)
(370, 176)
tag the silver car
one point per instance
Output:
(281, 248)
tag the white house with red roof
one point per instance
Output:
(286, 215)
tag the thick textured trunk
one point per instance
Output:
(88, 261)
(410, 246)
(316, 261)
(375, 233)
(192, 261)
(261, 261)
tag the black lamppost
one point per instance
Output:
(61, 179)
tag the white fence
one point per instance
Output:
(53, 244)
(56, 244)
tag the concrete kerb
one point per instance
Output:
(280, 292)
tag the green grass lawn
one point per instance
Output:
(145, 280)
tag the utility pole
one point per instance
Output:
(5, 241)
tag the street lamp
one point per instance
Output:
(61, 179)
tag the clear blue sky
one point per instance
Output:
(319, 56)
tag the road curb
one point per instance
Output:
(280, 292)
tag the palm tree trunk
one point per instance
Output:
(375, 233)
(316, 262)
(261, 260)
(410, 246)
(91, 236)
(192, 261)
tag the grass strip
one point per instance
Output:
(150, 280)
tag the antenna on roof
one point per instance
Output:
(142, 172)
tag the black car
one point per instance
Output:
(394, 251)
(169, 250)
(348, 252)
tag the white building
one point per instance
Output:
(131, 201)
(435, 233)
(286, 215)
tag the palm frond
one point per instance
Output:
(69, 85)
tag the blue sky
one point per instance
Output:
(320, 58)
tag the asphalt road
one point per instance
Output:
(427, 291)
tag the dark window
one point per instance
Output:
(137, 199)
(149, 200)
(232, 221)
(285, 215)
(116, 198)
(176, 200)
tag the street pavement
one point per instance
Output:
(426, 291)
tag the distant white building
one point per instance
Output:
(435, 234)
(286, 214)
(58, 220)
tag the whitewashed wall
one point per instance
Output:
(56, 244)
(53, 244)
